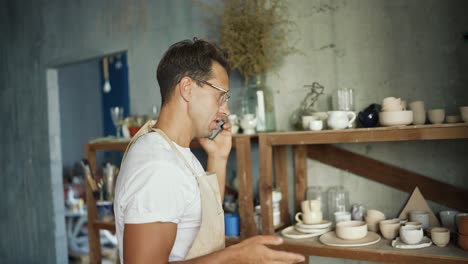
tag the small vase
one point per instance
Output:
(258, 99)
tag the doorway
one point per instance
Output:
(79, 112)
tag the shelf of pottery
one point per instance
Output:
(363, 234)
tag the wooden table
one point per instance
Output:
(272, 152)
(242, 144)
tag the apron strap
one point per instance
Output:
(159, 131)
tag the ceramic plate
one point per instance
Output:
(331, 239)
(291, 232)
(323, 224)
(312, 230)
(425, 242)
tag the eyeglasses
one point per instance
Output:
(224, 96)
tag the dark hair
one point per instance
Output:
(188, 58)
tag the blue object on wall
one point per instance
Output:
(119, 94)
(231, 224)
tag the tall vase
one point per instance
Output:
(258, 99)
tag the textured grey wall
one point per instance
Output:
(382, 48)
(41, 35)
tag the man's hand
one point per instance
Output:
(220, 146)
(254, 250)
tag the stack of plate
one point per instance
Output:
(301, 230)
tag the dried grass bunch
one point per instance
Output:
(254, 33)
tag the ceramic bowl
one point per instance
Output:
(351, 230)
(453, 119)
(414, 223)
(373, 217)
(440, 236)
(390, 228)
(396, 118)
(463, 241)
(411, 234)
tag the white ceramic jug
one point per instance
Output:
(340, 119)
(248, 124)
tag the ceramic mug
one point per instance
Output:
(420, 216)
(308, 206)
(309, 218)
(340, 119)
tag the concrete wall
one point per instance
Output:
(41, 35)
(410, 49)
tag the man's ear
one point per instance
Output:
(185, 88)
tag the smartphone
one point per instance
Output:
(216, 132)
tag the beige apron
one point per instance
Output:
(210, 237)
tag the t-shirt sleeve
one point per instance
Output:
(157, 193)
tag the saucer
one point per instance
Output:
(331, 239)
(312, 230)
(291, 232)
(425, 242)
(322, 224)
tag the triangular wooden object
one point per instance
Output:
(416, 202)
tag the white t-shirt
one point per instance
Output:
(155, 185)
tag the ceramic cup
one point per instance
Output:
(373, 217)
(309, 218)
(340, 119)
(448, 219)
(316, 125)
(436, 116)
(451, 119)
(390, 228)
(411, 234)
(342, 216)
(322, 116)
(464, 113)
(306, 121)
(420, 216)
(440, 236)
(308, 206)
(462, 223)
(419, 112)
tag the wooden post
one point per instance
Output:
(93, 231)
(266, 184)
(244, 174)
(281, 180)
(300, 166)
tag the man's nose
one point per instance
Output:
(224, 109)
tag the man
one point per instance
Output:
(167, 208)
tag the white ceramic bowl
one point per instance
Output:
(351, 230)
(411, 234)
(395, 118)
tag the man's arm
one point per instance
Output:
(153, 242)
(218, 165)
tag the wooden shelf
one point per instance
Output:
(382, 251)
(273, 164)
(359, 135)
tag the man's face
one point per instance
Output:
(209, 105)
